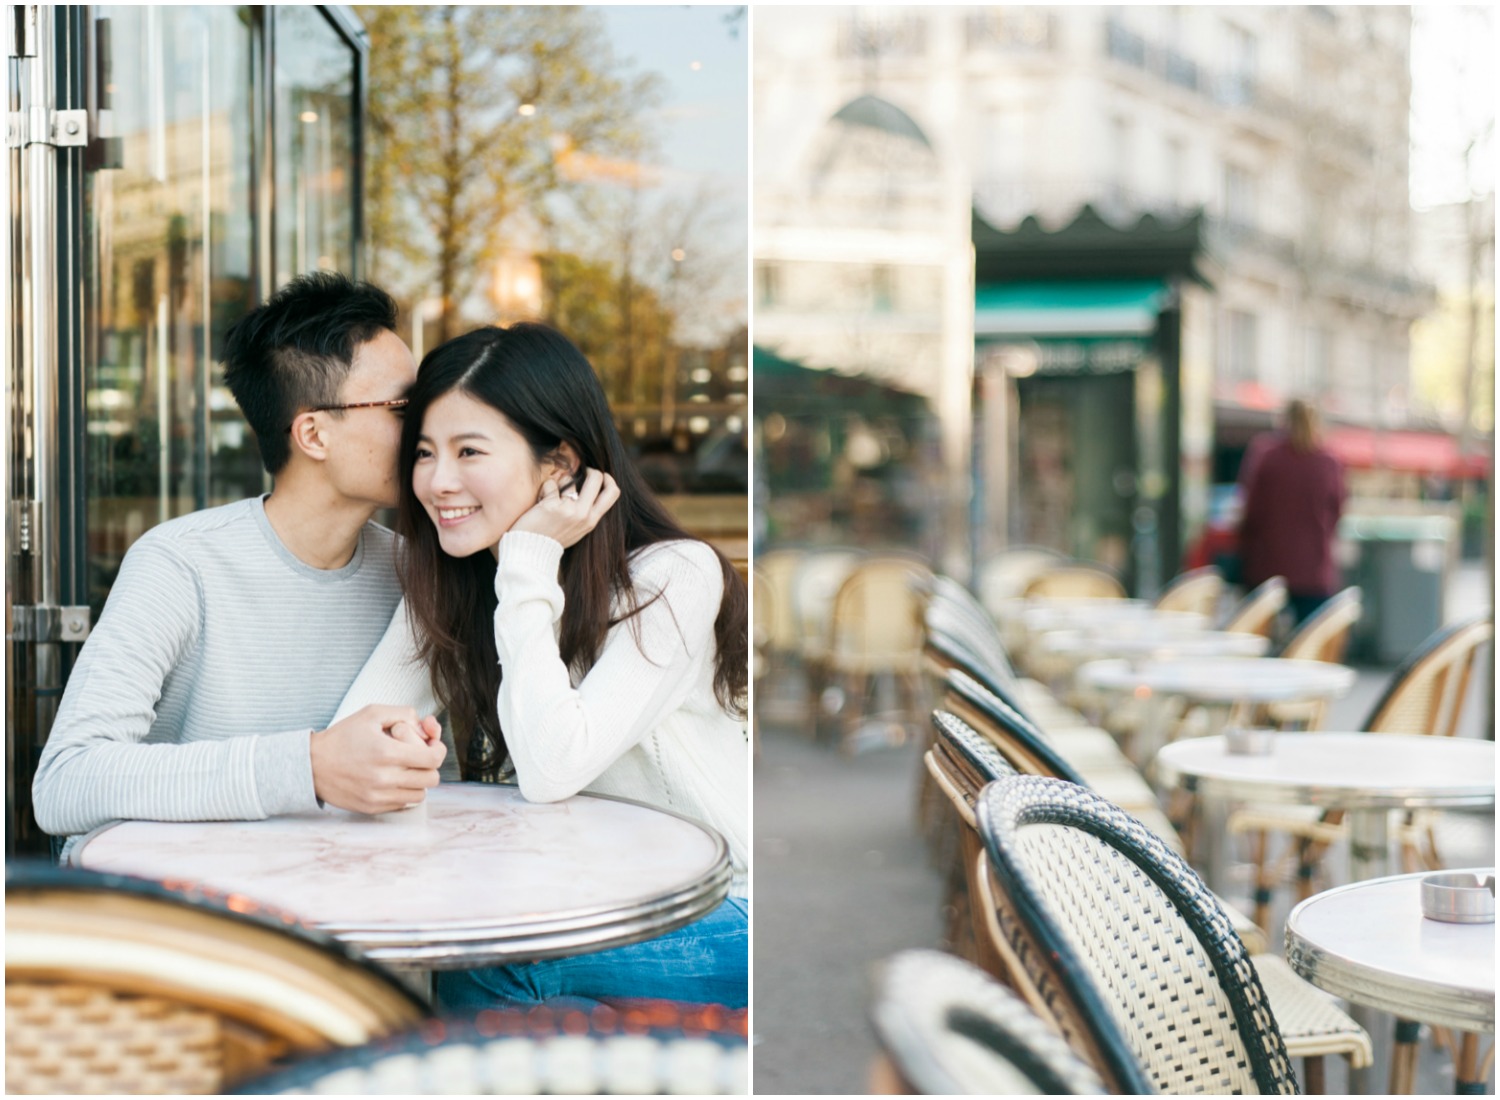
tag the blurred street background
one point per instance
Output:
(1036, 276)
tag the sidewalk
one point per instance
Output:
(842, 882)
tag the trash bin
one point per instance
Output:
(1401, 565)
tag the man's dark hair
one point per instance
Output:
(294, 352)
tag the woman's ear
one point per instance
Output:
(564, 464)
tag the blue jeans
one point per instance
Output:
(706, 962)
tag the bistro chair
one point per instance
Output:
(1256, 613)
(1006, 575)
(1196, 590)
(1424, 696)
(778, 568)
(815, 583)
(946, 1028)
(1074, 580)
(876, 631)
(122, 985)
(1118, 938)
(1324, 636)
(643, 1048)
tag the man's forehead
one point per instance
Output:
(382, 361)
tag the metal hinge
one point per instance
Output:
(41, 623)
(61, 129)
(24, 517)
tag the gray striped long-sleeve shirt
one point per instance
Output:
(216, 656)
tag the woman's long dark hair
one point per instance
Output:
(547, 390)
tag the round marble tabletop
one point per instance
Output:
(474, 876)
(1369, 943)
(1165, 644)
(1222, 679)
(1351, 771)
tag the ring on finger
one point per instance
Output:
(571, 494)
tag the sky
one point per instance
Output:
(704, 119)
(1453, 100)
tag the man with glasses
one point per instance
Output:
(208, 689)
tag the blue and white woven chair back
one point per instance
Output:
(950, 1029)
(656, 1048)
(1139, 943)
(1023, 741)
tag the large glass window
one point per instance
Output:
(314, 138)
(170, 268)
(171, 239)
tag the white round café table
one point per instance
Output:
(1216, 684)
(1365, 774)
(1121, 615)
(476, 876)
(1152, 645)
(1369, 943)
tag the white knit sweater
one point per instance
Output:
(642, 724)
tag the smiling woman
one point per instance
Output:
(577, 636)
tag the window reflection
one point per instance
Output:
(169, 269)
(314, 128)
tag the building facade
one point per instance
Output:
(1285, 127)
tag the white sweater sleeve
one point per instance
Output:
(395, 676)
(561, 737)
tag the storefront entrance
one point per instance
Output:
(178, 164)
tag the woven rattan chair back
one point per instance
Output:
(118, 985)
(1196, 590)
(1076, 580)
(968, 761)
(815, 583)
(950, 1029)
(1325, 634)
(877, 616)
(779, 567)
(1256, 613)
(1007, 574)
(1426, 694)
(943, 651)
(650, 1048)
(1139, 946)
(980, 640)
(1022, 744)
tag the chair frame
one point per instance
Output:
(1108, 584)
(1266, 599)
(922, 993)
(1172, 597)
(661, 1021)
(1014, 803)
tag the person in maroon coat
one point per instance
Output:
(1294, 494)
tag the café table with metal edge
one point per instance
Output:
(1216, 684)
(1369, 943)
(475, 876)
(1366, 774)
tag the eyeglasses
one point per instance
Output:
(395, 404)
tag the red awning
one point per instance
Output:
(1414, 452)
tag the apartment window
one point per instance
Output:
(1239, 195)
(1241, 62)
(1175, 162)
(1240, 346)
(767, 280)
(882, 289)
(1120, 161)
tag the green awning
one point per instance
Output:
(1040, 310)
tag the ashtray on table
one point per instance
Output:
(1459, 898)
(1249, 741)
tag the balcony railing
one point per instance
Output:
(882, 36)
(1001, 29)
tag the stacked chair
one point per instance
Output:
(1257, 612)
(985, 738)
(814, 584)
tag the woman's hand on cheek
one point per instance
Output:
(567, 517)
